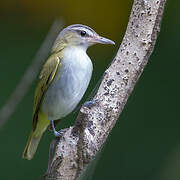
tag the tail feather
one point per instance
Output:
(35, 136)
(31, 146)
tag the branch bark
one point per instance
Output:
(80, 143)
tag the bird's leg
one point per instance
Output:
(56, 134)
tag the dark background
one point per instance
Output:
(145, 143)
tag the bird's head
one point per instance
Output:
(79, 35)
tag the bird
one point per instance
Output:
(62, 82)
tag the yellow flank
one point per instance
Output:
(42, 124)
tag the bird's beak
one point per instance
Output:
(103, 40)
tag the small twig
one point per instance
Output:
(51, 154)
(30, 74)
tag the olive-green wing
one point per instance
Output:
(46, 77)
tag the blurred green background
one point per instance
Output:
(145, 143)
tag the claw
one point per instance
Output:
(61, 132)
(90, 104)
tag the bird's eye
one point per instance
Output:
(83, 33)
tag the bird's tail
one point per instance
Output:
(35, 136)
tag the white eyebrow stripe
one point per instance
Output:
(84, 29)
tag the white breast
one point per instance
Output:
(69, 85)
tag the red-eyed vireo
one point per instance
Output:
(63, 80)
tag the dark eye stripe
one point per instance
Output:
(82, 33)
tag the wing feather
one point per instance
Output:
(46, 77)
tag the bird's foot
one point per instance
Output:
(56, 133)
(59, 134)
(90, 104)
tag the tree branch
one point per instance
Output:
(80, 144)
(30, 74)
